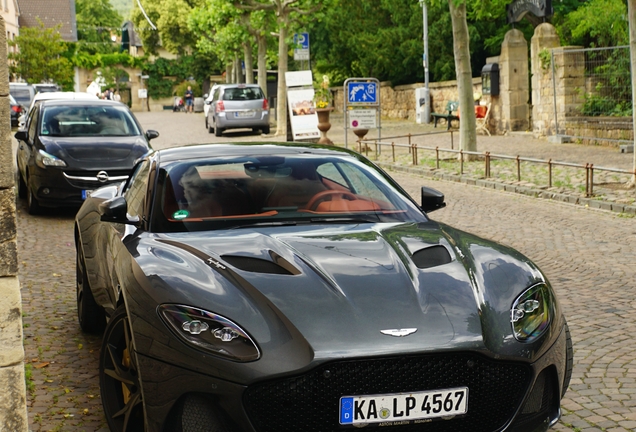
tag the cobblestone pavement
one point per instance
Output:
(586, 253)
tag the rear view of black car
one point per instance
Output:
(16, 111)
(70, 148)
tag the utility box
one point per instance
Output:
(422, 105)
(490, 79)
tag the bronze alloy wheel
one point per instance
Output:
(118, 377)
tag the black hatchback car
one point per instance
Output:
(69, 148)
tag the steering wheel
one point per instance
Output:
(320, 196)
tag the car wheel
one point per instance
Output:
(119, 377)
(569, 359)
(33, 205)
(266, 130)
(22, 187)
(218, 131)
(206, 123)
(90, 315)
(210, 128)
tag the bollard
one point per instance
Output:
(550, 173)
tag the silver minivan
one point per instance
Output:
(238, 106)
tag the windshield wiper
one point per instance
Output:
(265, 224)
(346, 219)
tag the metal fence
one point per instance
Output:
(584, 179)
(592, 94)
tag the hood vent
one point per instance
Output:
(431, 257)
(258, 265)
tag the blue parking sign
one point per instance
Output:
(302, 40)
(362, 93)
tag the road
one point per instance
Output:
(588, 255)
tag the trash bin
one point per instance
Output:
(198, 104)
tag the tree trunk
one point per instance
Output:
(228, 73)
(262, 63)
(281, 94)
(249, 63)
(631, 19)
(467, 124)
(238, 70)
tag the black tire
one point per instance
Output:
(33, 205)
(22, 187)
(91, 317)
(209, 126)
(119, 377)
(218, 131)
(569, 360)
(266, 130)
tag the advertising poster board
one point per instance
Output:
(304, 121)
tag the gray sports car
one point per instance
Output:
(287, 287)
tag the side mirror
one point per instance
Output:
(432, 199)
(205, 96)
(151, 134)
(21, 135)
(115, 210)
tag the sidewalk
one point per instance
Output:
(610, 189)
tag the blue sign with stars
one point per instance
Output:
(365, 93)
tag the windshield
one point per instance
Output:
(83, 121)
(274, 190)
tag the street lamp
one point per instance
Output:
(426, 117)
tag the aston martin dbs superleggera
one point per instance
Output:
(287, 287)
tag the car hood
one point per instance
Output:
(95, 150)
(351, 289)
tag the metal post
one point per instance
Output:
(518, 169)
(550, 173)
(556, 113)
(427, 106)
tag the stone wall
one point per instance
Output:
(613, 128)
(84, 77)
(399, 102)
(13, 413)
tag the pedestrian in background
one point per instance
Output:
(189, 99)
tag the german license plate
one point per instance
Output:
(243, 114)
(403, 407)
(86, 194)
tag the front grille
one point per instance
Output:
(541, 405)
(88, 179)
(310, 402)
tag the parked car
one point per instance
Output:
(23, 93)
(207, 100)
(16, 111)
(286, 287)
(55, 95)
(71, 147)
(46, 87)
(238, 106)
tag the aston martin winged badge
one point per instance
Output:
(399, 332)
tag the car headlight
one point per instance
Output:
(43, 160)
(210, 332)
(531, 313)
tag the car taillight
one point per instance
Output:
(265, 104)
(16, 108)
(219, 106)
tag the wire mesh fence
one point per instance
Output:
(593, 95)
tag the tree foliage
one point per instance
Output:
(96, 21)
(39, 57)
(597, 23)
(171, 19)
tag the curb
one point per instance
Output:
(523, 190)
